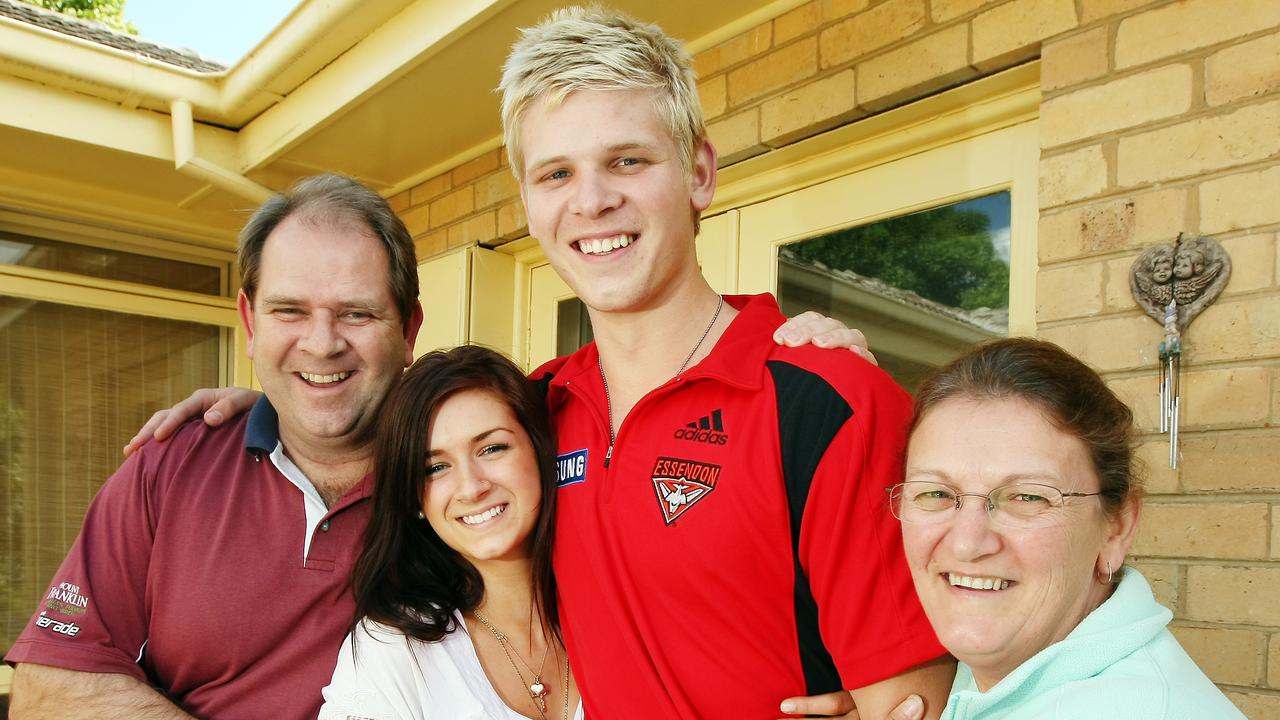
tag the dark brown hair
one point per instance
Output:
(1070, 394)
(331, 198)
(407, 577)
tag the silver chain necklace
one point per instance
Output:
(608, 401)
(537, 690)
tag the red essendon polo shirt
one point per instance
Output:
(737, 549)
(189, 575)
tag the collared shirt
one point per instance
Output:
(262, 434)
(199, 571)
(1120, 662)
(737, 549)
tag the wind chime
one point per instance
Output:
(1174, 284)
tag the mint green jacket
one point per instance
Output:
(1120, 662)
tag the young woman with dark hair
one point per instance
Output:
(455, 597)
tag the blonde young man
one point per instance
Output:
(721, 541)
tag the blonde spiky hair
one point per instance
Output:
(593, 48)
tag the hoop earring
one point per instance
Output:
(1108, 572)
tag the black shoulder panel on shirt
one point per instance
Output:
(544, 383)
(810, 413)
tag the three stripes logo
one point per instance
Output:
(706, 429)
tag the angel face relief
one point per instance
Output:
(1190, 274)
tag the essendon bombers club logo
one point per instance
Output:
(707, 429)
(680, 484)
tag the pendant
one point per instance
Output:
(538, 692)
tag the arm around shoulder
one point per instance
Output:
(43, 691)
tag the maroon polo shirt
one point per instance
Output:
(189, 575)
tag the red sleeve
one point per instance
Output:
(851, 545)
(93, 616)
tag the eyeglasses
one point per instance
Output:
(1017, 505)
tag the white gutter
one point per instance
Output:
(54, 56)
(293, 37)
(185, 160)
(57, 58)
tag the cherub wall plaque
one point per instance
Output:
(1174, 284)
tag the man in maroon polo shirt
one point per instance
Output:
(210, 578)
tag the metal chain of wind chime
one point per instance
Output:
(1174, 284)
(1170, 380)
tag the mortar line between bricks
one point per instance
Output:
(1209, 625)
(1228, 497)
(1151, 372)
(1213, 563)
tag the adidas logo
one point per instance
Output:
(707, 429)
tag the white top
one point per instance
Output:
(395, 677)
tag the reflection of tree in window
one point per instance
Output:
(946, 255)
(924, 287)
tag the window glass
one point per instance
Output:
(573, 326)
(923, 286)
(37, 252)
(75, 384)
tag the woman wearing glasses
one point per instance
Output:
(1018, 507)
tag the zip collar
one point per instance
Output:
(737, 359)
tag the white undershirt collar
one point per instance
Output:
(311, 500)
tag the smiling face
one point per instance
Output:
(482, 490)
(326, 339)
(609, 201)
(996, 595)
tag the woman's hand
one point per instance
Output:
(825, 332)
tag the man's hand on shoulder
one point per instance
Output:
(215, 404)
(824, 332)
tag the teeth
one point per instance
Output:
(977, 583)
(492, 512)
(600, 246)
(325, 379)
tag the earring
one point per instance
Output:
(1108, 572)
(421, 515)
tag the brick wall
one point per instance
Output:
(1158, 117)
(476, 203)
